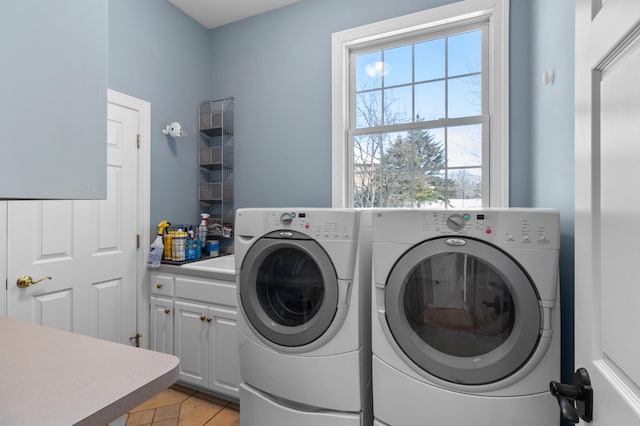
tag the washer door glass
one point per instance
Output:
(462, 310)
(288, 289)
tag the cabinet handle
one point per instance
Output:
(167, 310)
(158, 285)
(202, 318)
(209, 319)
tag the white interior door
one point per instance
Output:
(87, 248)
(607, 293)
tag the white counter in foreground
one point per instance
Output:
(52, 377)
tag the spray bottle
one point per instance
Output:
(157, 247)
(202, 229)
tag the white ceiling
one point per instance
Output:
(214, 13)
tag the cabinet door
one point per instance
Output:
(192, 342)
(53, 99)
(161, 325)
(224, 363)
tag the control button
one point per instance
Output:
(509, 237)
(306, 225)
(525, 238)
(488, 231)
(466, 217)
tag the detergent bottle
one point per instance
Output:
(157, 247)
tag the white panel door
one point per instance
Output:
(607, 294)
(87, 248)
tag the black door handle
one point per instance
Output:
(576, 400)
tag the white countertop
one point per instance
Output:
(53, 377)
(222, 267)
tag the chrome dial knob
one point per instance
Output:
(455, 222)
(286, 219)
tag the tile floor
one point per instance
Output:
(183, 406)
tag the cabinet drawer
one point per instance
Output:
(161, 284)
(211, 291)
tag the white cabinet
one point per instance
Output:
(224, 358)
(53, 99)
(161, 325)
(192, 342)
(195, 318)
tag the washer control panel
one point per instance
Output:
(324, 225)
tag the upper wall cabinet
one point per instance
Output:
(53, 99)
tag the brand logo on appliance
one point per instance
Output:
(455, 242)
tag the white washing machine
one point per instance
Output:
(305, 326)
(465, 317)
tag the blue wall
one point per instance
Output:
(278, 68)
(552, 141)
(159, 54)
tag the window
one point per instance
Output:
(420, 110)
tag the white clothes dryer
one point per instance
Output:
(465, 317)
(304, 327)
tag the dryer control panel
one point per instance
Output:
(322, 225)
(511, 226)
(508, 227)
(445, 222)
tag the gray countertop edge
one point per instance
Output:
(137, 397)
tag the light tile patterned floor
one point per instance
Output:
(183, 406)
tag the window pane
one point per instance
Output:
(430, 101)
(435, 184)
(397, 105)
(465, 53)
(369, 109)
(429, 60)
(465, 96)
(366, 169)
(466, 188)
(464, 146)
(397, 66)
(369, 71)
(411, 168)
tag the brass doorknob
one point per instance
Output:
(26, 281)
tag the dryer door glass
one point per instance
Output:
(466, 313)
(459, 304)
(288, 289)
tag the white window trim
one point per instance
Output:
(344, 41)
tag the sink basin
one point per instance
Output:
(224, 265)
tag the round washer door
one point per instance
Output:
(288, 288)
(462, 310)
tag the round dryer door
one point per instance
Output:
(463, 310)
(288, 288)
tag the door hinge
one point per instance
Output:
(137, 241)
(138, 140)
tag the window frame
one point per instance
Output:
(459, 14)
